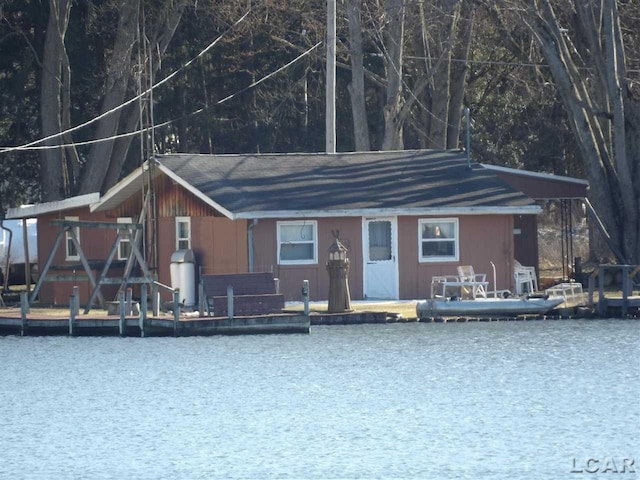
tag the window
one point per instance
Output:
(124, 247)
(298, 242)
(438, 240)
(71, 250)
(379, 240)
(183, 233)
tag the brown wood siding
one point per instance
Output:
(172, 201)
(292, 276)
(175, 201)
(483, 238)
(219, 246)
(540, 188)
(96, 244)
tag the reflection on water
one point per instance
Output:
(476, 401)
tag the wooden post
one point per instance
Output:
(625, 290)
(601, 300)
(155, 300)
(27, 261)
(122, 302)
(305, 296)
(143, 308)
(129, 301)
(230, 302)
(76, 300)
(592, 283)
(24, 308)
(72, 311)
(176, 311)
(201, 300)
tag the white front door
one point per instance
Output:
(380, 249)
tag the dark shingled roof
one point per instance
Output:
(398, 180)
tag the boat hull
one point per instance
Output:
(483, 307)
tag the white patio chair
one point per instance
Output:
(477, 281)
(525, 278)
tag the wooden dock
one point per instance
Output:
(40, 322)
(622, 302)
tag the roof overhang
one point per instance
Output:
(370, 212)
(121, 191)
(527, 173)
(35, 210)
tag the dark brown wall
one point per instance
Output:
(541, 188)
(526, 242)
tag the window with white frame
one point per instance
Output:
(183, 233)
(297, 242)
(438, 240)
(71, 252)
(124, 246)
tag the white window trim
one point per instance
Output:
(186, 220)
(441, 259)
(123, 240)
(67, 240)
(314, 225)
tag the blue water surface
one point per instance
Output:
(500, 400)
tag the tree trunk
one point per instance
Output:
(356, 87)
(118, 71)
(395, 41)
(600, 128)
(459, 72)
(51, 160)
(442, 76)
(105, 161)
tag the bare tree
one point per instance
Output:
(604, 115)
(395, 11)
(356, 87)
(54, 101)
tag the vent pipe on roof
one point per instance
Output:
(467, 115)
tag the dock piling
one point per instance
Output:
(305, 296)
(176, 311)
(143, 308)
(72, 311)
(24, 309)
(122, 302)
(230, 301)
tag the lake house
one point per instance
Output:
(404, 216)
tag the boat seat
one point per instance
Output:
(478, 281)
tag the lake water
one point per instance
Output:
(503, 400)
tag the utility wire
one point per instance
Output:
(169, 122)
(122, 105)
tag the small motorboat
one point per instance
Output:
(485, 307)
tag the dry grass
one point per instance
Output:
(405, 308)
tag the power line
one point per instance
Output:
(128, 102)
(169, 122)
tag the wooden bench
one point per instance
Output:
(253, 294)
